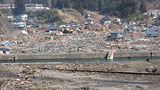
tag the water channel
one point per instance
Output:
(74, 61)
(115, 83)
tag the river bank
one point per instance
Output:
(77, 56)
(57, 76)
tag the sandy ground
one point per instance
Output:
(50, 77)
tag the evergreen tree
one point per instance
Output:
(19, 7)
(1, 1)
(49, 3)
(100, 5)
(143, 7)
(120, 8)
(79, 7)
(54, 2)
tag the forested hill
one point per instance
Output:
(120, 8)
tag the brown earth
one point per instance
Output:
(50, 77)
(72, 16)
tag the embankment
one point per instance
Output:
(68, 56)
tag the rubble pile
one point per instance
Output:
(90, 36)
(29, 70)
(77, 75)
(24, 82)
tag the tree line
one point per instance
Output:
(120, 8)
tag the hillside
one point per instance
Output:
(95, 15)
(1, 30)
(118, 8)
(70, 15)
(150, 3)
(5, 26)
(153, 4)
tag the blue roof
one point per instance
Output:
(4, 49)
(6, 43)
(47, 25)
(117, 32)
(17, 20)
(18, 27)
(152, 31)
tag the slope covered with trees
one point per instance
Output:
(19, 7)
(120, 8)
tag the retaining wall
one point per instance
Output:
(69, 56)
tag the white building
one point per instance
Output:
(7, 6)
(29, 7)
(33, 7)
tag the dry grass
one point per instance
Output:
(68, 17)
(155, 4)
(77, 17)
(95, 15)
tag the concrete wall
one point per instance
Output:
(69, 56)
